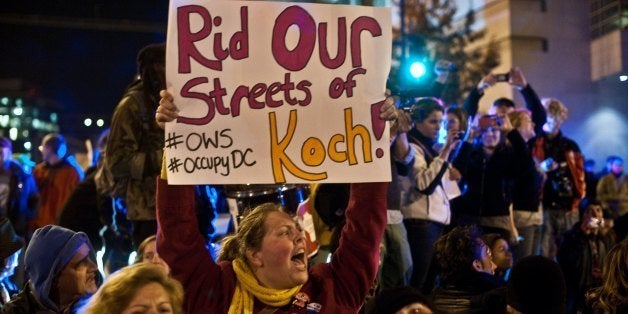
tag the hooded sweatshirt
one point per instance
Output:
(50, 249)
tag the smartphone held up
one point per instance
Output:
(502, 77)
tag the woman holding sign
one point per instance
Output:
(264, 266)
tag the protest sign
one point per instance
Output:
(275, 92)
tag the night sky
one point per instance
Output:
(80, 54)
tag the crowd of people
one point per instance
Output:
(502, 216)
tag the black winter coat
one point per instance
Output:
(23, 198)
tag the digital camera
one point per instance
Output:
(488, 121)
(595, 223)
(503, 77)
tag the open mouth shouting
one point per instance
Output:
(299, 260)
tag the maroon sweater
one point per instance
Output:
(338, 287)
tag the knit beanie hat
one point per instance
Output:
(49, 250)
(151, 54)
(537, 285)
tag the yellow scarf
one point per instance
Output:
(164, 171)
(247, 289)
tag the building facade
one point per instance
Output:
(575, 51)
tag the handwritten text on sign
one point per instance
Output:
(277, 92)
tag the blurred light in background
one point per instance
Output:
(99, 261)
(417, 69)
(132, 257)
(13, 134)
(604, 133)
(4, 120)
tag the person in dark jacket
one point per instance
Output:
(563, 163)
(467, 281)
(581, 255)
(136, 142)
(61, 265)
(402, 299)
(526, 185)
(10, 248)
(536, 286)
(526, 192)
(84, 209)
(488, 170)
(88, 209)
(18, 191)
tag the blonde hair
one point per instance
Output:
(555, 108)
(120, 288)
(614, 290)
(142, 247)
(516, 116)
(250, 233)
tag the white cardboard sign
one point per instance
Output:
(276, 92)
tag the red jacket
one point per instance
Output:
(55, 184)
(575, 163)
(338, 287)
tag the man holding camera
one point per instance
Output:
(524, 185)
(561, 160)
(581, 255)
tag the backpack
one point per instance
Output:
(560, 184)
(105, 184)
